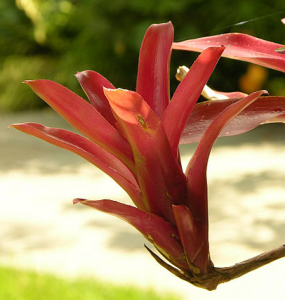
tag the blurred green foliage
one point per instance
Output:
(54, 39)
(16, 284)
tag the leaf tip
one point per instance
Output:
(80, 74)
(27, 81)
(15, 125)
(265, 92)
(78, 200)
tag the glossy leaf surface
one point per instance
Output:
(153, 71)
(154, 228)
(90, 151)
(93, 84)
(241, 47)
(187, 94)
(192, 238)
(160, 178)
(266, 109)
(197, 167)
(84, 117)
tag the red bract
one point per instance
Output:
(241, 47)
(270, 109)
(134, 138)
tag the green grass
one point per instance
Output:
(29, 285)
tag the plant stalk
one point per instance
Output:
(216, 276)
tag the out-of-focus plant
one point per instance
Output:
(133, 136)
(55, 38)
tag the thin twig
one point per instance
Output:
(216, 276)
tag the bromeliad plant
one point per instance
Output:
(133, 136)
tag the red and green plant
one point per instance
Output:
(134, 136)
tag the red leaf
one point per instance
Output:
(93, 153)
(155, 229)
(241, 47)
(266, 109)
(93, 83)
(84, 117)
(187, 94)
(153, 71)
(196, 169)
(161, 179)
(194, 239)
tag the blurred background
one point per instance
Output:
(41, 230)
(53, 39)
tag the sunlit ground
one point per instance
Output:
(41, 229)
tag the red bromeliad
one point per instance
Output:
(134, 138)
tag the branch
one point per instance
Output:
(251, 264)
(216, 276)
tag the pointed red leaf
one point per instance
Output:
(196, 169)
(241, 47)
(84, 117)
(156, 230)
(161, 179)
(266, 109)
(187, 94)
(90, 151)
(194, 239)
(93, 83)
(153, 71)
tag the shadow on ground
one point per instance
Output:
(246, 202)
